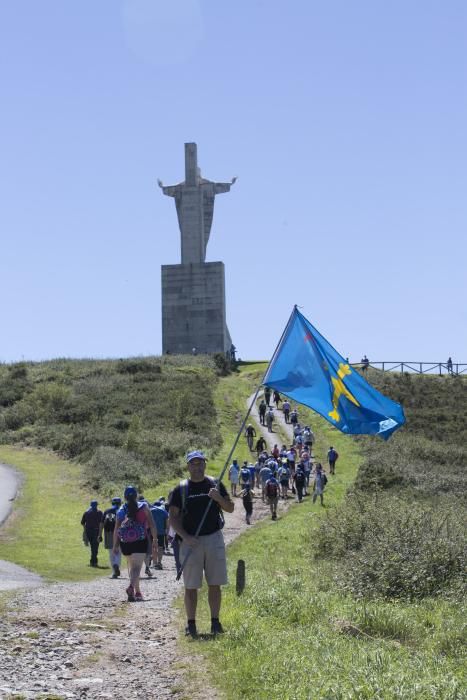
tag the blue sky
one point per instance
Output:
(344, 120)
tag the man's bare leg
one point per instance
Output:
(191, 600)
(214, 599)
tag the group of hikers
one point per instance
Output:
(144, 533)
(189, 524)
(100, 526)
(266, 413)
(283, 470)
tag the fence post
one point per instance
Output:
(440, 372)
(402, 368)
(421, 371)
(383, 366)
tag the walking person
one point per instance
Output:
(261, 445)
(262, 411)
(319, 483)
(299, 481)
(92, 522)
(286, 410)
(332, 459)
(234, 470)
(267, 396)
(131, 536)
(207, 550)
(252, 470)
(272, 495)
(264, 474)
(270, 419)
(250, 433)
(283, 476)
(308, 438)
(277, 399)
(245, 476)
(294, 417)
(247, 496)
(306, 462)
(109, 520)
(160, 516)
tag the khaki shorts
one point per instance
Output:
(207, 556)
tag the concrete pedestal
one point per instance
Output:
(193, 308)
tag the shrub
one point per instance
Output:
(391, 548)
(123, 466)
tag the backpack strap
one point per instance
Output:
(184, 493)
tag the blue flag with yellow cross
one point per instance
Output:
(307, 369)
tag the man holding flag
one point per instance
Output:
(196, 507)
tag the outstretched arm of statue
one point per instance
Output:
(220, 187)
(170, 191)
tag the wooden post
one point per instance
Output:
(240, 583)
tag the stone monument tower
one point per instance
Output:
(193, 293)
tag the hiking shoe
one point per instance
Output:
(191, 631)
(117, 570)
(216, 627)
(130, 593)
(158, 565)
(139, 597)
(148, 572)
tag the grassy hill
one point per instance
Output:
(365, 598)
(124, 420)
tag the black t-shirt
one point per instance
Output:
(196, 503)
(92, 519)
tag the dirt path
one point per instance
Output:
(271, 438)
(81, 640)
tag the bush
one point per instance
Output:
(391, 548)
(124, 467)
(223, 363)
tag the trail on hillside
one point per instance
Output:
(12, 576)
(82, 640)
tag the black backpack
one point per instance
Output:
(109, 521)
(299, 477)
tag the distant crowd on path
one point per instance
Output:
(288, 469)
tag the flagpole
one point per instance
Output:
(240, 432)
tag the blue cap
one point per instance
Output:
(93, 503)
(116, 500)
(130, 491)
(196, 454)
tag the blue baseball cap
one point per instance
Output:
(93, 503)
(130, 491)
(196, 454)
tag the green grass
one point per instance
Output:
(44, 533)
(293, 634)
